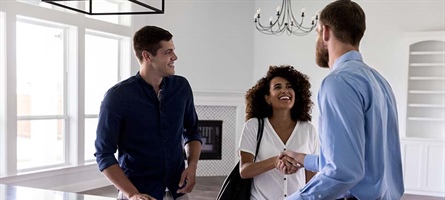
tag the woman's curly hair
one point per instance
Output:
(256, 105)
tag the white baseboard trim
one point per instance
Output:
(425, 193)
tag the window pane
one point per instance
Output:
(39, 143)
(40, 70)
(101, 69)
(90, 136)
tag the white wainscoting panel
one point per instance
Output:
(423, 166)
(413, 166)
(435, 176)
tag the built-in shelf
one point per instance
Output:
(426, 78)
(426, 105)
(427, 53)
(426, 92)
(427, 65)
(426, 119)
(424, 137)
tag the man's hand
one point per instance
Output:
(286, 167)
(187, 181)
(290, 162)
(141, 197)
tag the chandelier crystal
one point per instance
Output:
(285, 22)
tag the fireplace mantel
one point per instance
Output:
(219, 98)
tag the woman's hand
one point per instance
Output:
(286, 163)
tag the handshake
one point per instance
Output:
(289, 162)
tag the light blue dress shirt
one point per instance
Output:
(359, 136)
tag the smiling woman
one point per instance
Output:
(282, 99)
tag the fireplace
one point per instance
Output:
(211, 133)
(214, 120)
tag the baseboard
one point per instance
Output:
(425, 193)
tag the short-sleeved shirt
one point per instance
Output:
(273, 184)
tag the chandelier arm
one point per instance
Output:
(262, 28)
(285, 22)
(290, 19)
(282, 14)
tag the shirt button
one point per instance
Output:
(285, 195)
(284, 178)
(319, 196)
(284, 149)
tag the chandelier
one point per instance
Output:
(285, 22)
(110, 7)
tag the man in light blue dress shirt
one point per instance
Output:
(358, 128)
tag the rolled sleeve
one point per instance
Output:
(107, 134)
(191, 132)
(193, 137)
(106, 162)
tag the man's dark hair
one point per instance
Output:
(256, 105)
(346, 19)
(148, 38)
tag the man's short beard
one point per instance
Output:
(321, 54)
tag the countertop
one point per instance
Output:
(10, 192)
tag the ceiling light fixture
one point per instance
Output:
(285, 22)
(110, 7)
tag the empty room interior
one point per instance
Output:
(59, 58)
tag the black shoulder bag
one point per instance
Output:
(234, 187)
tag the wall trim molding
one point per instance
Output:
(219, 98)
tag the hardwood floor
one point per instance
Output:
(207, 188)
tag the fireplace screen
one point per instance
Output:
(211, 132)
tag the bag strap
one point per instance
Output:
(259, 136)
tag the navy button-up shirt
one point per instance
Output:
(148, 131)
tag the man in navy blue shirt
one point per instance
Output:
(149, 118)
(358, 128)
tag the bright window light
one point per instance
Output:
(40, 95)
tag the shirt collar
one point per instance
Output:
(350, 55)
(139, 77)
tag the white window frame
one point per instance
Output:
(123, 60)
(78, 25)
(2, 93)
(65, 115)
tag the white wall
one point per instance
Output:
(213, 41)
(382, 45)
